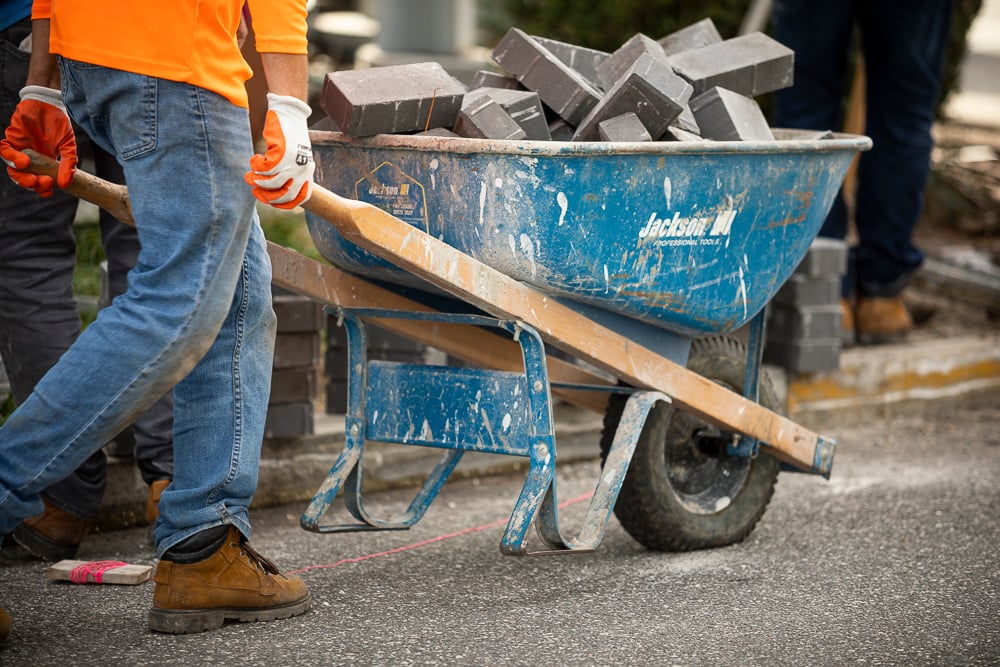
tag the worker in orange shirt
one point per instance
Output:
(167, 99)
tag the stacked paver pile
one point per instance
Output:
(296, 360)
(691, 85)
(804, 319)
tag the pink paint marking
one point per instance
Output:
(81, 573)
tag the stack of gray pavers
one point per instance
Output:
(804, 325)
(690, 85)
(294, 379)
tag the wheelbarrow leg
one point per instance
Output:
(606, 490)
(347, 472)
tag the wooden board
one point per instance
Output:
(125, 574)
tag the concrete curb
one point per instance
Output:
(904, 376)
(877, 377)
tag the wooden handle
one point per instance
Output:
(113, 198)
(109, 196)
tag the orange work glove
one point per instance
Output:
(282, 176)
(39, 122)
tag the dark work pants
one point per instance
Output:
(38, 313)
(904, 44)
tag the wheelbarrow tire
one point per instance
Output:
(681, 491)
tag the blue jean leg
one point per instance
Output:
(184, 151)
(904, 43)
(819, 31)
(153, 430)
(38, 313)
(220, 409)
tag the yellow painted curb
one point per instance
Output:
(916, 371)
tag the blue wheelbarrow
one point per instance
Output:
(637, 259)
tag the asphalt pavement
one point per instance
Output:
(892, 561)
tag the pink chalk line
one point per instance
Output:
(432, 540)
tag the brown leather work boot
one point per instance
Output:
(53, 535)
(234, 583)
(153, 500)
(881, 319)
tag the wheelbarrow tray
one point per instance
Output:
(691, 237)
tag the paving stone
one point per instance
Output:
(615, 66)
(825, 257)
(693, 36)
(804, 356)
(487, 79)
(298, 314)
(440, 132)
(325, 124)
(677, 134)
(292, 385)
(289, 421)
(482, 117)
(801, 290)
(818, 136)
(686, 121)
(560, 130)
(649, 89)
(526, 108)
(724, 115)
(751, 65)
(791, 323)
(395, 98)
(296, 350)
(583, 60)
(626, 127)
(561, 87)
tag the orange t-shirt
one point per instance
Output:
(193, 41)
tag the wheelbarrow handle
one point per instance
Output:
(109, 196)
(115, 200)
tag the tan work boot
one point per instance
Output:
(153, 500)
(881, 319)
(53, 535)
(234, 583)
(4, 624)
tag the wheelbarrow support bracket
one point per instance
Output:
(468, 409)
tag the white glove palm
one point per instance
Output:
(282, 176)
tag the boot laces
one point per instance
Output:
(258, 559)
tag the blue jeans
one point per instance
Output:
(904, 44)
(196, 315)
(38, 314)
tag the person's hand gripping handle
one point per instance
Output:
(40, 122)
(282, 176)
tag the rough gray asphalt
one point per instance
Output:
(894, 561)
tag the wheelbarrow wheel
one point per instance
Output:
(682, 491)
